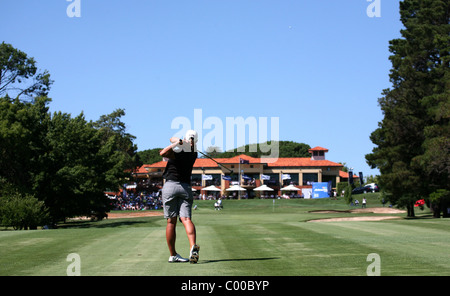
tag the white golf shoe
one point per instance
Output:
(177, 258)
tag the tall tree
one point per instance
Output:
(22, 127)
(67, 162)
(412, 140)
(19, 75)
(117, 147)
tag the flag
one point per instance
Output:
(207, 177)
(350, 177)
(246, 177)
(265, 177)
(226, 178)
(285, 177)
(243, 160)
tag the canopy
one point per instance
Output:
(211, 188)
(263, 188)
(290, 188)
(235, 188)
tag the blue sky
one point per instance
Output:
(317, 65)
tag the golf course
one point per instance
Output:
(247, 238)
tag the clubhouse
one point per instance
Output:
(296, 172)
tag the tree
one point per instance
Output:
(286, 149)
(149, 156)
(66, 162)
(118, 148)
(412, 140)
(82, 160)
(72, 173)
(22, 127)
(19, 75)
(348, 197)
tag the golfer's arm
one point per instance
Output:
(168, 152)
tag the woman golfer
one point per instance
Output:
(177, 193)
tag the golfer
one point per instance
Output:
(177, 193)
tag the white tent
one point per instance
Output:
(211, 188)
(290, 188)
(235, 188)
(263, 188)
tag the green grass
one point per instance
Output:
(248, 237)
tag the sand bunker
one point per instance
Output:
(117, 215)
(364, 218)
(361, 218)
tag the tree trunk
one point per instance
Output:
(445, 207)
(436, 209)
(410, 208)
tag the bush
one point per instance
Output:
(22, 212)
(348, 194)
(440, 202)
(341, 186)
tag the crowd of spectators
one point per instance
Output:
(137, 201)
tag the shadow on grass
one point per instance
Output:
(241, 259)
(113, 223)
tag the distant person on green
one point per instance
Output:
(177, 193)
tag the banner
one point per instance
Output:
(285, 177)
(207, 177)
(243, 160)
(265, 177)
(350, 177)
(321, 189)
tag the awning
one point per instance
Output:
(236, 188)
(290, 188)
(211, 188)
(263, 188)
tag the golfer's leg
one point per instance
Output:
(171, 235)
(190, 230)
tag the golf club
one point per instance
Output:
(231, 171)
(192, 145)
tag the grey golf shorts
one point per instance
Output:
(177, 199)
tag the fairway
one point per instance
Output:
(246, 238)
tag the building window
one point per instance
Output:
(196, 180)
(215, 181)
(308, 178)
(274, 180)
(292, 181)
(326, 178)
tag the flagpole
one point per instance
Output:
(239, 189)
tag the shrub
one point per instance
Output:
(22, 212)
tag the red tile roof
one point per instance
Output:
(280, 162)
(318, 148)
(343, 174)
